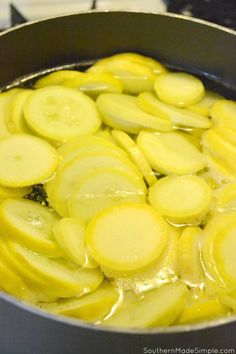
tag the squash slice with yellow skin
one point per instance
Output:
(159, 307)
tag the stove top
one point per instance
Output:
(222, 12)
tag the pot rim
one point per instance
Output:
(129, 331)
(99, 328)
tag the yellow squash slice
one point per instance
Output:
(227, 134)
(7, 192)
(5, 100)
(182, 199)
(105, 133)
(203, 107)
(134, 76)
(94, 84)
(135, 154)
(84, 142)
(61, 279)
(28, 276)
(102, 189)
(220, 148)
(89, 144)
(70, 235)
(223, 113)
(15, 118)
(57, 78)
(13, 283)
(160, 307)
(26, 160)
(228, 300)
(127, 237)
(10, 281)
(151, 63)
(179, 117)
(70, 174)
(202, 308)
(194, 140)
(162, 271)
(179, 89)
(92, 307)
(218, 249)
(226, 197)
(218, 170)
(170, 153)
(30, 224)
(122, 112)
(60, 113)
(188, 254)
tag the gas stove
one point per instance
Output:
(222, 12)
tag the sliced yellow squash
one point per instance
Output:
(218, 249)
(15, 118)
(223, 113)
(26, 160)
(92, 307)
(202, 308)
(102, 189)
(91, 144)
(227, 134)
(5, 100)
(151, 63)
(127, 237)
(194, 140)
(162, 271)
(6, 192)
(10, 281)
(197, 132)
(93, 84)
(32, 280)
(13, 283)
(70, 235)
(105, 132)
(61, 279)
(226, 197)
(136, 155)
(179, 89)
(70, 174)
(134, 76)
(220, 148)
(57, 78)
(170, 153)
(203, 107)
(179, 117)
(189, 257)
(121, 111)
(209, 179)
(228, 300)
(218, 169)
(225, 295)
(84, 142)
(182, 199)
(160, 307)
(30, 224)
(58, 113)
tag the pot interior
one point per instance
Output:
(76, 41)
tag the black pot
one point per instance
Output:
(191, 45)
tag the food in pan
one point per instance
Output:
(118, 195)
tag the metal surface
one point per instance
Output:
(195, 46)
(26, 330)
